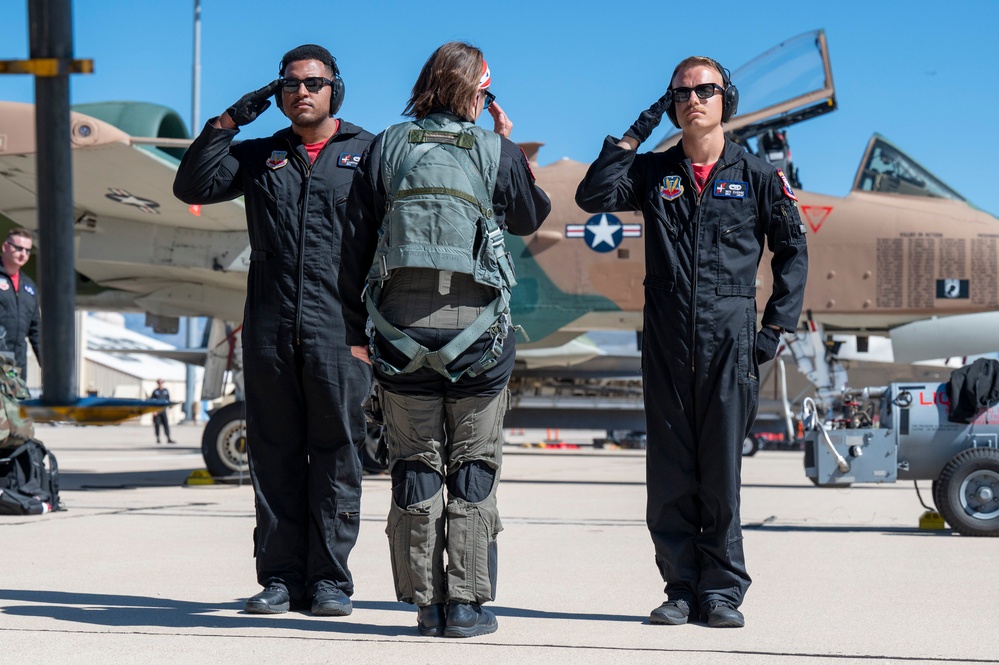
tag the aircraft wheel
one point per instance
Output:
(968, 491)
(223, 445)
(749, 446)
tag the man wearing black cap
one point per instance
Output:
(303, 387)
(709, 207)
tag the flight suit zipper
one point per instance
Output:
(695, 262)
(302, 229)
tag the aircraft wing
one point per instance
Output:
(132, 236)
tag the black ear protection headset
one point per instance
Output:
(336, 98)
(730, 98)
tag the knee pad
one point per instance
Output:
(473, 481)
(414, 482)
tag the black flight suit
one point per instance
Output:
(698, 358)
(303, 388)
(19, 316)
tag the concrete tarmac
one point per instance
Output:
(141, 569)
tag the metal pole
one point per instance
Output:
(192, 339)
(51, 36)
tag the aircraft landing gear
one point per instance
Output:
(223, 444)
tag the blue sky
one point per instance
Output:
(568, 73)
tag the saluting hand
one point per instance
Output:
(502, 124)
(252, 104)
(649, 119)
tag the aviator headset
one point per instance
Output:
(730, 98)
(336, 98)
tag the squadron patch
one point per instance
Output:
(277, 159)
(671, 189)
(29, 288)
(730, 189)
(348, 160)
(787, 186)
(4, 285)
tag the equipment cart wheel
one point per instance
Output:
(967, 493)
(223, 445)
(749, 446)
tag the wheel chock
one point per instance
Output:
(931, 520)
(200, 477)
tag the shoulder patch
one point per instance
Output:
(527, 162)
(787, 186)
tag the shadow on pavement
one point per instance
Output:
(138, 611)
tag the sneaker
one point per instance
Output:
(430, 620)
(330, 601)
(469, 620)
(721, 614)
(671, 613)
(171, 441)
(272, 600)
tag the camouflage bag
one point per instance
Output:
(15, 428)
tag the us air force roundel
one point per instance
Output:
(277, 159)
(730, 189)
(787, 186)
(603, 233)
(123, 196)
(671, 188)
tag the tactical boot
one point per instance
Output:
(272, 600)
(469, 620)
(330, 601)
(430, 620)
(721, 614)
(671, 613)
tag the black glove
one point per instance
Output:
(767, 341)
(252, 104)
(650, 118)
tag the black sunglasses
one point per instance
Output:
(312, 84)
(703, 91)
(18, 248)
(490, 98)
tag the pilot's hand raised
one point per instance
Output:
(252, 104)
(649, 119)
(502, 125)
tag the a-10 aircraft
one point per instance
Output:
(902, 253)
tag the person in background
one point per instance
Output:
(19, 314)
(161, 418)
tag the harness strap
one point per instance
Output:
(438, 360)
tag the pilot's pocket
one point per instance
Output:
(788, 229)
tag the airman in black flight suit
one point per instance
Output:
(709, 207)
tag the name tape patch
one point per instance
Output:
(730, 189)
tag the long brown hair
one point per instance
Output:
(448, 80)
